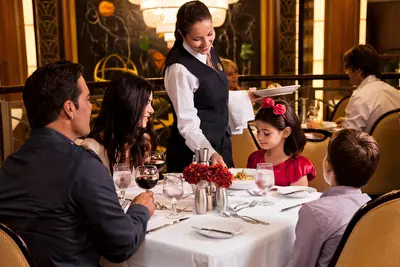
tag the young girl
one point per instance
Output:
(282, 140)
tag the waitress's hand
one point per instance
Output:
(217, 159)
(252, 96)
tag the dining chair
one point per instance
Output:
(13, 251)
(315, 150)
(340, 108)
(371, 238)
(242, 146)
(386, 132)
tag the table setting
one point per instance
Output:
(255, 227)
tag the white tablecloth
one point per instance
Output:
(258, 246)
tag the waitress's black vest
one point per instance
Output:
(211, 102)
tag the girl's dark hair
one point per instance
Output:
(188, 14)
(118, 124)
(295, 142)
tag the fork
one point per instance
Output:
(246, 218)
(252, 204)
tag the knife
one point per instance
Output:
(291, 207)
(168, 224)
(213, 230)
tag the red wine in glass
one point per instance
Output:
(146, 182)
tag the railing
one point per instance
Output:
(15, 127)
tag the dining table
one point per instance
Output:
(257, 245)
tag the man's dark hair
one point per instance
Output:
(364, 58)
(354, 156)
(47, 89)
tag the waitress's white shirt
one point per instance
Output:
(181, 86)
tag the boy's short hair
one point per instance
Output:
(354, 156)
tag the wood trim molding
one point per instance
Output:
(69, 30)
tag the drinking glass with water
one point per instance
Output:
(173, 192)
(265, 180)
(123, 177)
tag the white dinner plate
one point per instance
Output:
(243, 184)
(284, 90)
(326, 125)
(218, 224)
(285, 190)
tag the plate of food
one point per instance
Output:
(275, 90)
(243, 178)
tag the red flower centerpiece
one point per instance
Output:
(217, 174)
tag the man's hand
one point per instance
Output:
(252, 96)
(146, 199)
(217, 159)
(339, 122)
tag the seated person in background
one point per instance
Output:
(351, 160)
(118, 134)
(231, 71)
(56, 195)
(373, 97)
(282, 140)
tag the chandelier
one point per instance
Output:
(161, 14)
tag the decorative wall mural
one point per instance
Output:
(117, 28)
(47, 30)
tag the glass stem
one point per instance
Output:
(265, 200)
(174, 209)
(122, 195)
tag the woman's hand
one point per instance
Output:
(252, 96)
(217, 159)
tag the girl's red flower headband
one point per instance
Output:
(278, 109)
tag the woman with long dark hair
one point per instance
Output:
(121, 132)
(198, 89)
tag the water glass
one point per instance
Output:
(265, 180)
(122, 176)
(146, 177)
(173, 192)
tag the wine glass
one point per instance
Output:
(146, 177)
(313, 111)
(265, 180)
(156, 158)
(122, 176)
(173, 192)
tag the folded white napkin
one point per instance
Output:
(240, 111)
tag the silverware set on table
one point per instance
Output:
(233, 212)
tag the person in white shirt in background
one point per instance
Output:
(197, 86)
(373, 97)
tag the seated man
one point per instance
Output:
(373, 97)
(351, 160)
(57, 196)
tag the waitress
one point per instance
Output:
(198, 88)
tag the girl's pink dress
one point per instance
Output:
(288, 171)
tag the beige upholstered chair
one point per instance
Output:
(13, 250)
(340, 108)
(386, 131)
(315, 151)
(372, 238)
(242, 146)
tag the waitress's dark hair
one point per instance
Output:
(188, 14)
